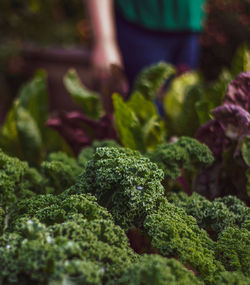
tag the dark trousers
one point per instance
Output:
(142, 47)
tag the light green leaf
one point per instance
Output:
(89, 101)
(20, 136)
(173, 101)
(137, 123)
(126, 123)
(241, 61)
(34, 98)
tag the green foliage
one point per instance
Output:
(186, 153)
(83, 251)
(89, 101)
(37, 257)
(175, 97)
(241, 60)
(61, 171)
(124, 182)
(12, 172)
(154, 269)
(213, 216)
(177, 234)
(87, 153)
(50, 209)
(20, 135)
(232, 278)
(24, 133)
(2, 215)
(139, 128)
(149, 81)
(233, 249)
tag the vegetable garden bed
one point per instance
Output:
(116, 199)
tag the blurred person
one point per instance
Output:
(133, 34)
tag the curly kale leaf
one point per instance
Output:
(157, 270)
(186, 153)
(232, 278)
(87, 153)
(85, 252)
(12, 180)
(124, 182)
(51, 209)
(213, 216)
(61, 171)
(233, 249)
(177, 234)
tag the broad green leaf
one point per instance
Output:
(241, 61)
(245, 150)
(20, 136)
(152, 78)
(33, 97)
(127, 124)
(89, 101)
(203, 111)
(141, 106)
(9, 140)
(179, 87)
(29, 137)
(137, 123)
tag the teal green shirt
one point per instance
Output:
(164, 15)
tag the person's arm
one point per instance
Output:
(105, 50)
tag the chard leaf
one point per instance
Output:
(149, 81)
(241, 60)
(20, 136)
(233, 117)
(33, 97)
(29, 137)
(127, 124)
(89, 101)
(79, 130)
(137, 122)
(238, 91)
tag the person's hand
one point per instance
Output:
(108, 68)
(105, 54)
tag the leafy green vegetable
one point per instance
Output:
(154, 269)
(137, 123)
(149, 81)
(89, 101)
(124, 182)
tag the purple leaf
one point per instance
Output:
(79, 130)
(212, 134)
(233, 119)
(238, 91)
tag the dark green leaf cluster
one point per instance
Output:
(152, 78)
(2, 214)
(12, 180)
(177, 234)
(213, 216)
(79, 243)
(87, 152)
(50, 209)
(185, 153)
(157, 270)
(61, 171)
(38, 258)
(124, 182)
(232, 278)
(233, 249)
